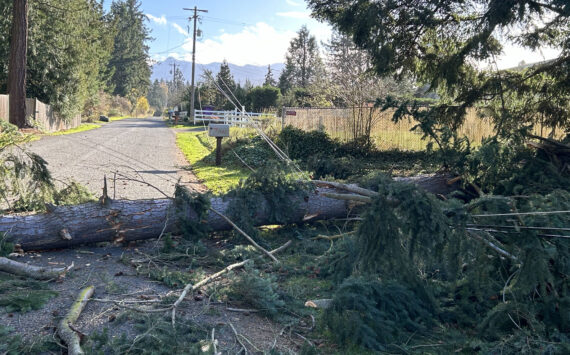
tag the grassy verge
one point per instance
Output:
(81, 128)
(200, 153)
(118, 118)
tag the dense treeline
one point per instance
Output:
(78, 55)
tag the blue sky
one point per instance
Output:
(254, 32)
(241, 31)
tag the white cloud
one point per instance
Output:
(180, 29)
(293, 3)
(513, 55)
(295, 14)
(159, 20)
(259, 45)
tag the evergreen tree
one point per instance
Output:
(69, 44)
(158, 95)
(443, 43)
(129, 60)
(303, 63)
(269, 80)
(225, 81)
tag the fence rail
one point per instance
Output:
(233, 118)
(39, 115)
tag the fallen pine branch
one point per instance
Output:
(65, 328)
(250, 239)
(207, 280)
(350, 188)
(36, 272)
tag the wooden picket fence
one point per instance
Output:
(39, 115)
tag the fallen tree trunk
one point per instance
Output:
(126, 220)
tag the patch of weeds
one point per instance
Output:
(257, 290)
(155, 335)
(23, 295)
(14, 345)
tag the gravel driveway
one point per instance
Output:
(139, 152)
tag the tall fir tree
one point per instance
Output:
(225, 81)
(69, 43)
(129, 60)
(269, 79)
(303, 63)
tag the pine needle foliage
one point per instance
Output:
(497, 265)
(407, 230)
(257, 290)
(372, 314)
(24, 295)
(155, 335)
(269, 186)
(191, 212)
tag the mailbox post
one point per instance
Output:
(219, 131)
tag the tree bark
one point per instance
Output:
(17, 64)
(126, 220)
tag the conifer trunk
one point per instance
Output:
(17, 64)
(128, 220)
(124, 220)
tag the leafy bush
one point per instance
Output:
(323, 165)
(300, 144)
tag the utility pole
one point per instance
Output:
(195, 18)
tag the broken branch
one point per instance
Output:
(65, 330)
(35, 272)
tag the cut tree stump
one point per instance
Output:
(128, 220)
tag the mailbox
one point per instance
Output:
(218, 130)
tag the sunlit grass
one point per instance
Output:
(197, 148)
(81, 128)
(118, 118)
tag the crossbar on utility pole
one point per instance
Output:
(195, 18)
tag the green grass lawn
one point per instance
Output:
(199, 150)
(81, 128)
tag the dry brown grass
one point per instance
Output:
(385, 133)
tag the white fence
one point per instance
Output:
(233, 118)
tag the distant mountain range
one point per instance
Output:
(254, 73)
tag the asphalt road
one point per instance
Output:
(140, 153)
